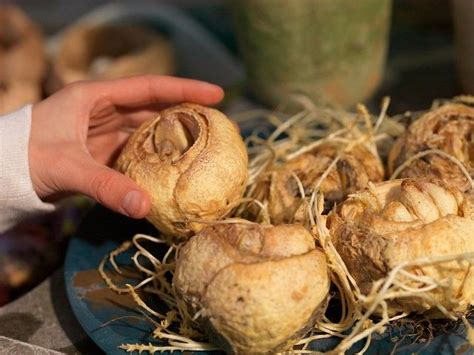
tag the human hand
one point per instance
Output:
(79, 131)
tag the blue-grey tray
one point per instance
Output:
(94, 305)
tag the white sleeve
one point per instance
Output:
(18, 200)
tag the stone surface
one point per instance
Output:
(13, 347)
(43, 318)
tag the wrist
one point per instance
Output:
(19, 199)
(38, 167)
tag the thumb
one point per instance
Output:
(110, 188)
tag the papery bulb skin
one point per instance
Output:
(22, 59)
(259, 288)
(109, 51)
(353, 171)
(192, 161)
(402, 221)
(450, 129)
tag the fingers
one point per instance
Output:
(105, 148)
(149, 89)
(124, 118)
(134, 117)
(120, 119)
(108, 187)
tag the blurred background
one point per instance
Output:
(334, 52)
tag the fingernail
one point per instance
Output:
(132, 203)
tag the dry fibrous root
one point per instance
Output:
(175, 328)
(390, 249)
(396, 222)
(288, 184)
(254, 288)
(192, 161)
(440, 145)
(317, 149)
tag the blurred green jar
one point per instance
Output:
(333, 51)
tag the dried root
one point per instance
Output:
(315, 150)
(344, 150)
(393, 279)
(192, 161)
(447, 134)
(256, 288)
(175, 327)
